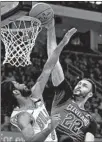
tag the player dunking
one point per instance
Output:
(31, 116)
(77, 124)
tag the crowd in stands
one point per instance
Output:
(87, 5)
(87, 65)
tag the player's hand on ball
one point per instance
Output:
(55, 120)
(68, 35)
(50, 25)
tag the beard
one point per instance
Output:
(78, 95)
(76, 92)
(26, 93)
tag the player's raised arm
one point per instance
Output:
(57, 74)
(38, 88)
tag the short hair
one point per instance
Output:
(93, 84)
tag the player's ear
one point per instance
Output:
(16, 92)
(90, 94)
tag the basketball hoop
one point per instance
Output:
(19, 38)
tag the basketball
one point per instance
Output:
(43, 12)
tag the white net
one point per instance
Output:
(19, 38)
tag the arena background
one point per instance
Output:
(81, 58)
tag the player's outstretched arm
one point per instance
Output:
(57, 74)
(38, 88)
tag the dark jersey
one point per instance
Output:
(75, 122)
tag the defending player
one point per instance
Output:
(77, 124)
(31, 116)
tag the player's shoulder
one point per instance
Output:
(15, 112)
(19, 114)
(91, 117)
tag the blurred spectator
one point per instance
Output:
(10, 76)
(98, 118)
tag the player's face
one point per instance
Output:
(82, 88)
(19, 86)
(22, 90)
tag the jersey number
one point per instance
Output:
(72, 123)
(42, 119)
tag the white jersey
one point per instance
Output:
(41, 118)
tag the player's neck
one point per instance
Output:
(23, 102)
(81, 102)
(81, 105)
